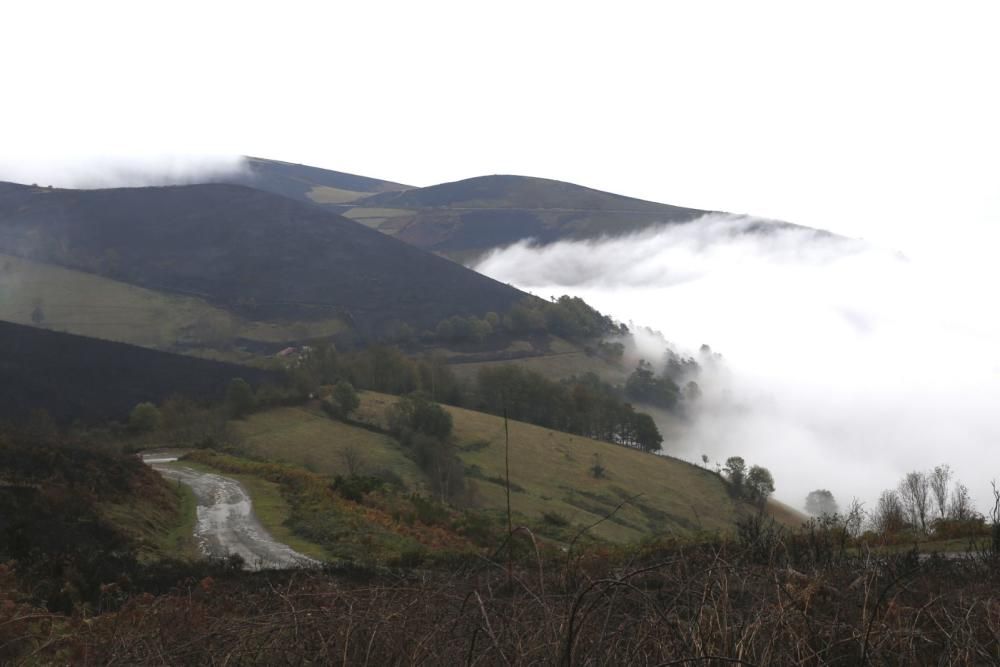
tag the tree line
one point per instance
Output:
(567, 317)
(583, 405)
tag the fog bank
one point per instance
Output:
(845, 366)
(120, 171)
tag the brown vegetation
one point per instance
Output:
(712, 604)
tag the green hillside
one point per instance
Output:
(61, 299)
(307, 437)
(551, 472)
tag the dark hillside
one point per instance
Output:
(521, 192)
(263, 256)
(72, 377)
(472, 216)
(308, 184)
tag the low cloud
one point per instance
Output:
(88, 172)
(845, 365)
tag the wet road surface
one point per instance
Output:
(226, 523)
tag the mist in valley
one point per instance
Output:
(844, 365)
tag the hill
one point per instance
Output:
(257, 255)
(61, 299)
(469, 217)
(77, 378)
(308, 184)
(551, 472)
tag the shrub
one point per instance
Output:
(144, 418)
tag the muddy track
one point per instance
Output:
(226, 523)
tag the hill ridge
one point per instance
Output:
(257, 253)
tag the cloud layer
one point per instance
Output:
(845, 365)
(120, 171)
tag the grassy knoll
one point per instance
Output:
(86, 304)
(554, 480)
(307, 437)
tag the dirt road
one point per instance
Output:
(226, 523)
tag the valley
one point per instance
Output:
(351, 416)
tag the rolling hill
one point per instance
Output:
(308, 184)
(550, 470)
(466, 218)
(259, 256)
(77, 378)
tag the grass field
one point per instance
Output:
(305, 436)
(90, 305)
(385, 220)
(323, 194)
(553, 475)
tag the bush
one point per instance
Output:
(240, 399)
(555, 519)
(354, 487)
(144, 418)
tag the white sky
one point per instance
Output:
(876, 119)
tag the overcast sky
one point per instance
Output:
(873, 119)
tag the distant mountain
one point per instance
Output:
(308, 184)
(472, 216)
(256, 254)
(73, 377)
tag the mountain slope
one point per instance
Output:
(261, 256)
(308, 184)
(471, 216)
(73, 377)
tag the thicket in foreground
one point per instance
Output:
(768, 599)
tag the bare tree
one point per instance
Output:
(995, 520)
(940, 479)
(960, 508)
(854, 517)
(914, 494)
(353, 460)
(888, 514)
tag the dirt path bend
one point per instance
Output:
(226, 523)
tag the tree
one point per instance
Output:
(647, 436)
(345, 397)
(940, 479)
(145, 417)
(759, 485)
(416, 415)
(960, 507)
(352, 460)
(240, 400)
(736, 470)
(820, 502)
(854, 517)
(914, 495)
(888, 516)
